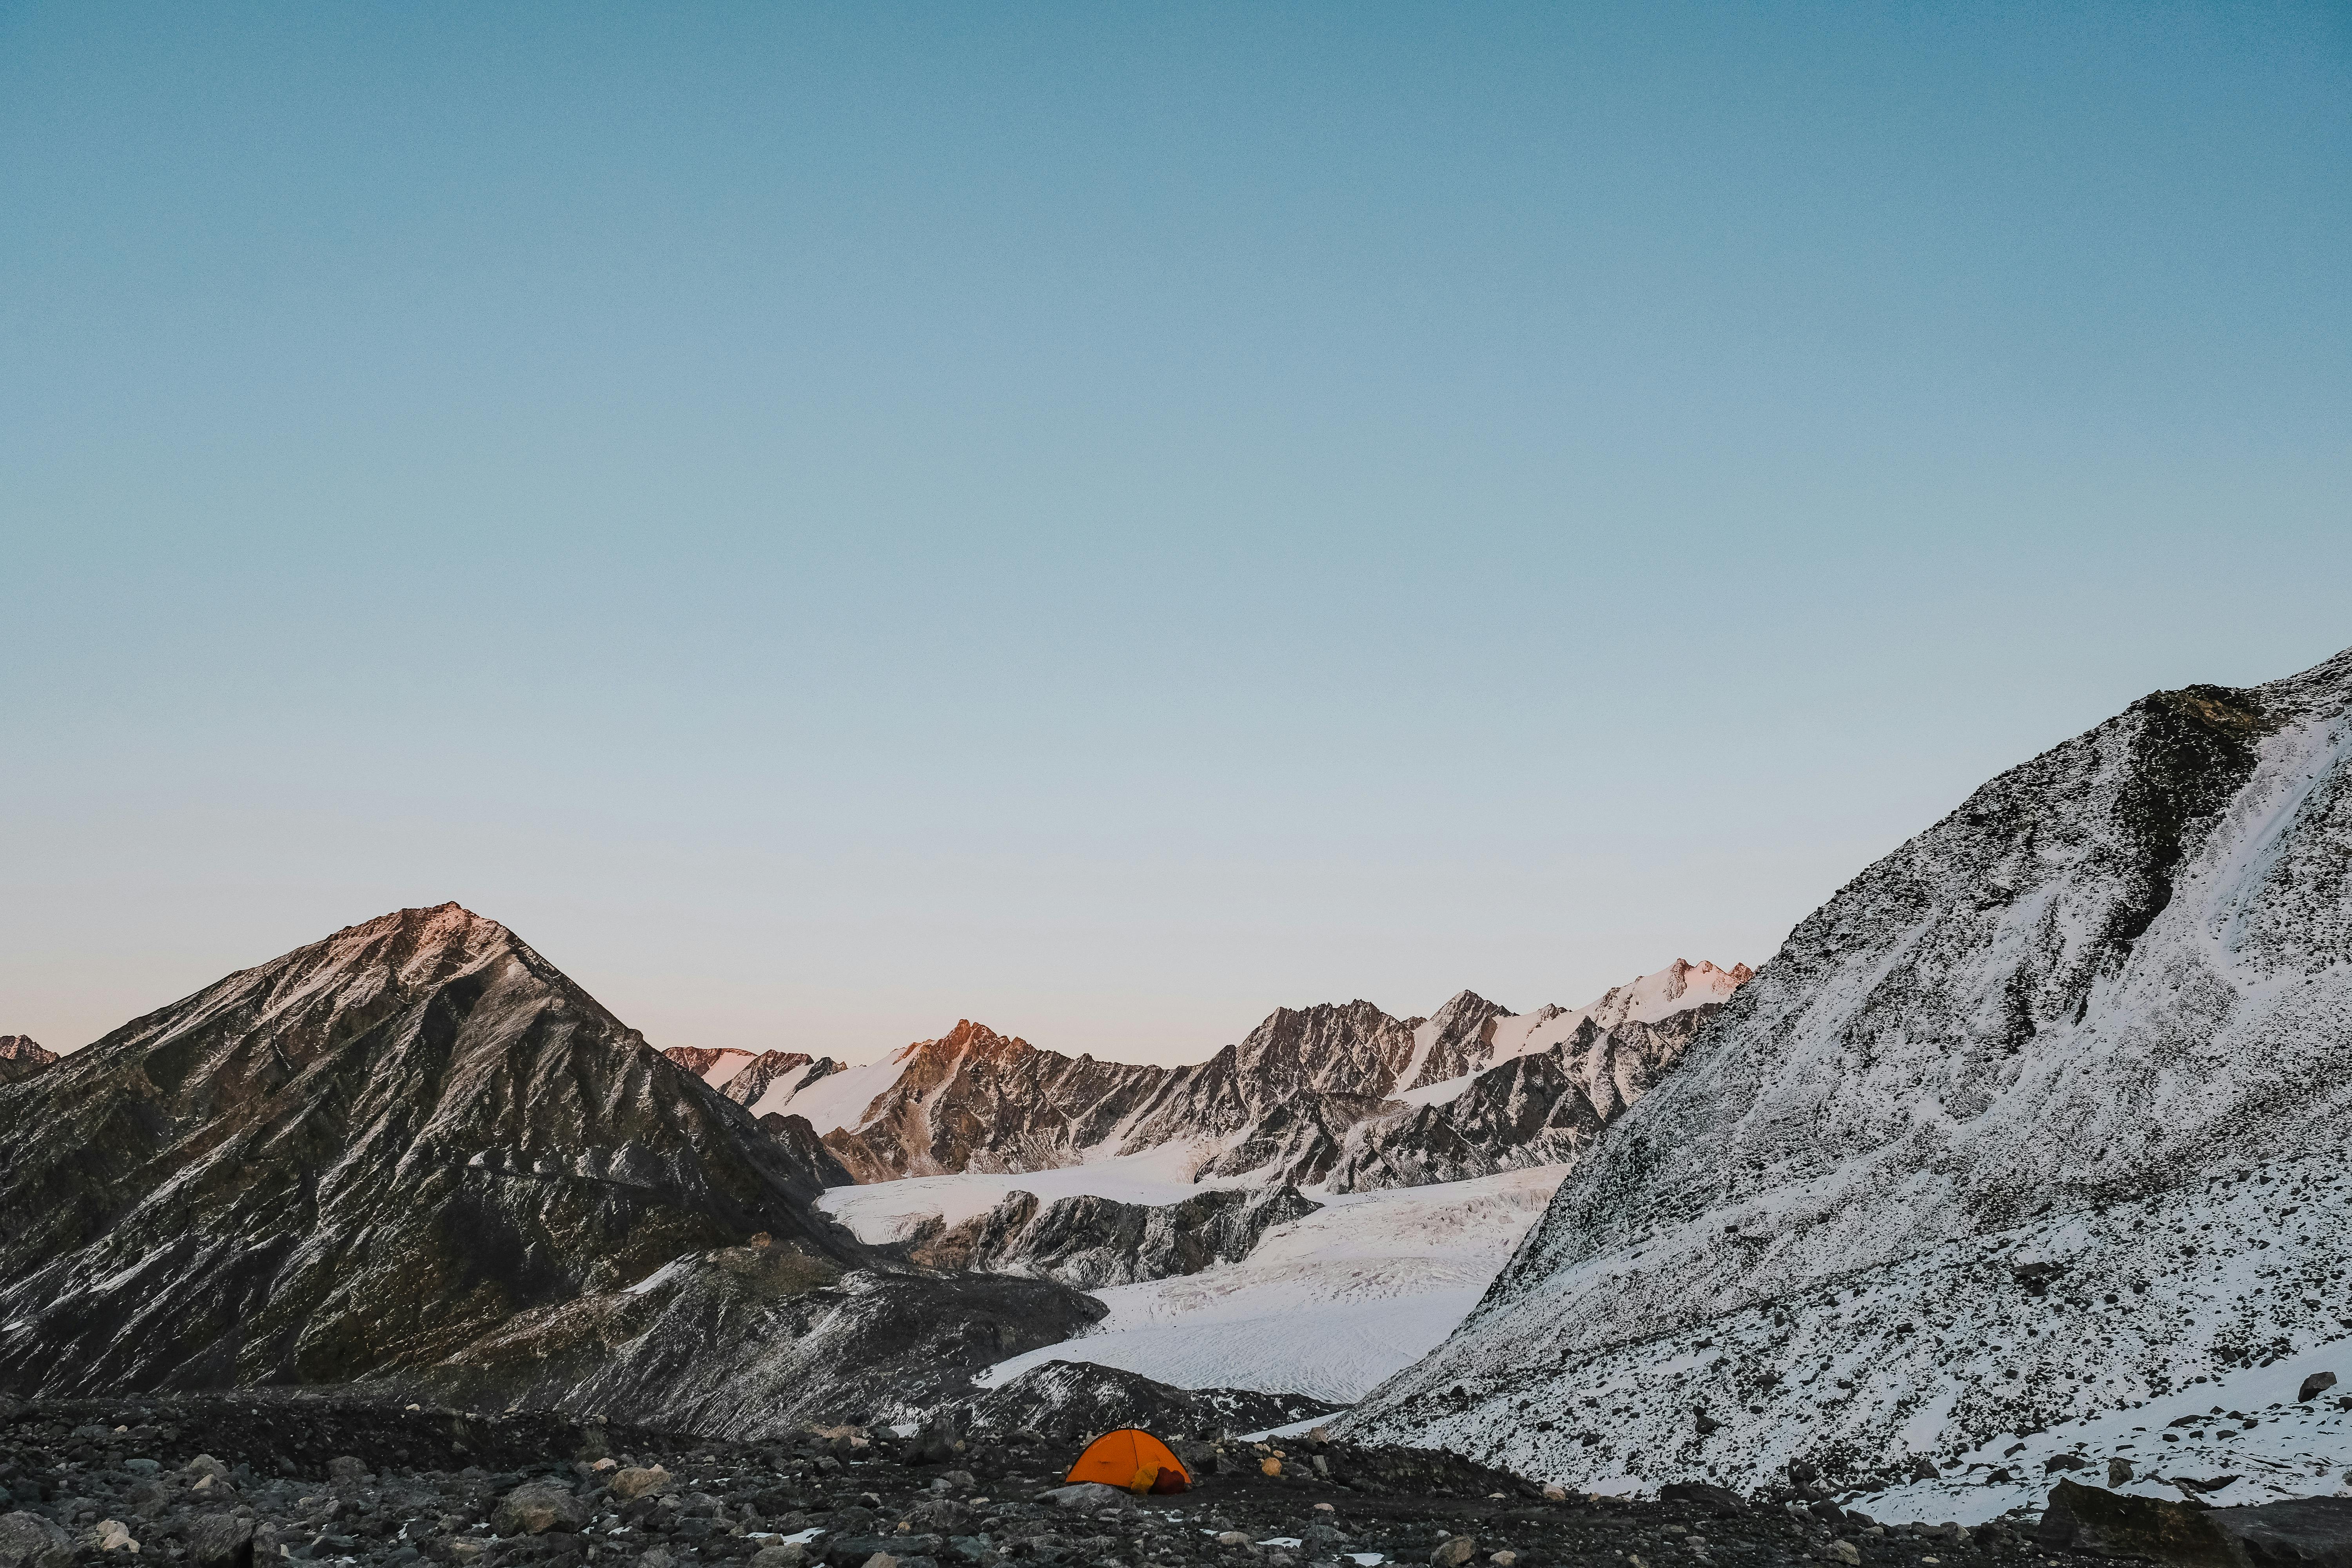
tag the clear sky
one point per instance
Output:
(1105, 520)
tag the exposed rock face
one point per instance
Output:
(2049, 1039)
(750, 1342)
(401, 1146)
(1091, 1242)
(1542, 1108)
(20, 1058)
(1079, 1398)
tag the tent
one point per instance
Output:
(1132, 1459)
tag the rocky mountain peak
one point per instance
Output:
(970, 1038)
(358, 1154)
(20, 1057)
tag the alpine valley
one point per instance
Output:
(2023, 1160)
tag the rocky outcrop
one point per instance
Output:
(2098, 1020)
(748, 1342)
(1074, 1400)
(2315, 1531)
(1091, 1242)
(20, 1057)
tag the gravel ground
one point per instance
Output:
(223, 1481)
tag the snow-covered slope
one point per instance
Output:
(2039, 1118)
(1325, 1306)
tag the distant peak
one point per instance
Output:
(24, 1048)
(969, 1036)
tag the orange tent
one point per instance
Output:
(1133, 1460)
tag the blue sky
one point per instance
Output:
(1105, 520)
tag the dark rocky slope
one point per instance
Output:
(1091, 1242)
(403, 1148)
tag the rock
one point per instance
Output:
(1923, 1469)
(785, 1554)
(347, 1468)
(2056, 1462)
(113, 1535)
(1721, 1501)
(537, 1507)
(2315, 1530)
(2318, 1383)
(28, 1540)
(937, 1443)
(1555, 1494)
(1844, 1552)
(204, 1466)
(219, 1540)
(1452, 1553)
(1269, 1465)
(1233, 1538)
(1504, 1559)
(655, 1557)
(144, 1467)
(1089, 1495)
(881, 1560)
(637, 1481)
(2119, 1471)
(2086, 1518)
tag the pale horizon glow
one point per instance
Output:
(830, 521)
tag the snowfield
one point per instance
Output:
(889, 1211)
(1326, 1306)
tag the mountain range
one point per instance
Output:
(1338, 1094)
(416, 1157)
(2024, 1153)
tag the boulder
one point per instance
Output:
(784, 1554)
(2086, 1518)
(1452, 1553)
(535, 1508)
(1087, 1495)
(2311, 1531)
(349, 1469)
(2317, 1384)
(219, 1540)
(28, 1540)
(637, 1481)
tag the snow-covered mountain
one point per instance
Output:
(21, 1057)
(416, 1154)
(1174, 1193)
(1340, 1094)
(2037, 1125)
